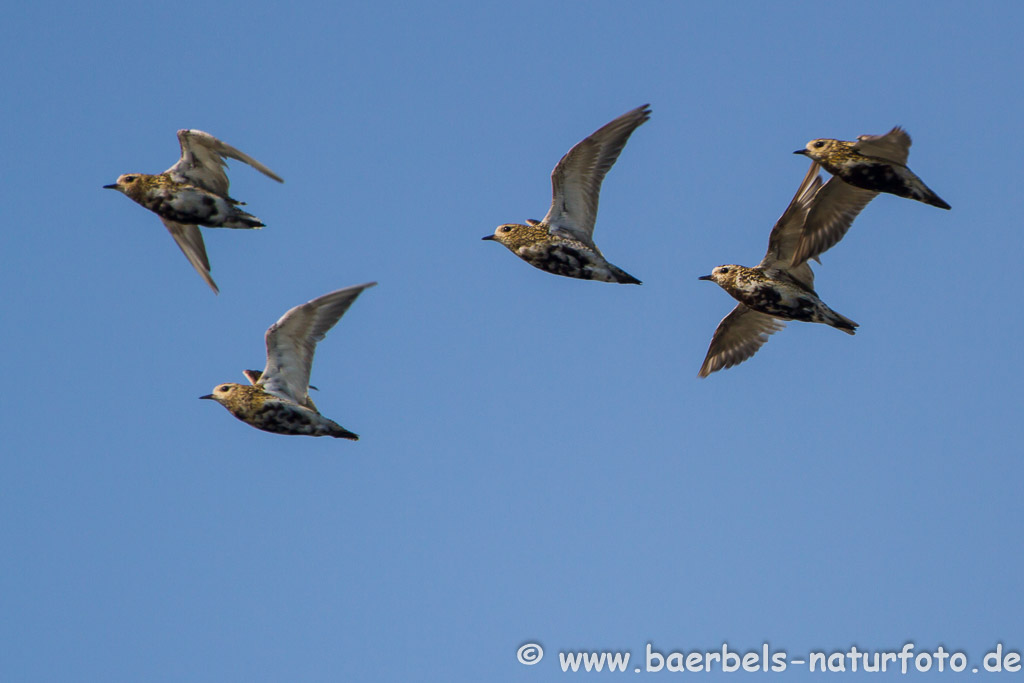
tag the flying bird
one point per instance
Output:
(860, 169)
(770, 292)
(563, 241)
(194, 192)
(277, 400)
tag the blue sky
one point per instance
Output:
(539, 462)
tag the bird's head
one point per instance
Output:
(226, 394)
(818, 149)
(131, 184)
(513, 235)
(723, 276)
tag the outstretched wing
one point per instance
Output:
(738, 337)
(893, 146)
(838, 203)
(202, 161)
(782, 243)
(576, 179)
(190, 241)
(833, 210)
(292, 340)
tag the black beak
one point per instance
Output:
(489, 237)
(110, 187)
(210, 396)
(801, 151)
(704, 277)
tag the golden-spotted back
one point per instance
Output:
(558, 255)
(267, 412)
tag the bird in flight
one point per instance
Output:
(194, 192)
(563, 241)
(860, 169)
(770, 292)
(277, 400)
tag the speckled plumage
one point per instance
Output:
(535, 244)
(562, 242)
(267, 412)
(184, 202)
(193, 192)
(770, 292)
(861, 169)
(278, 399)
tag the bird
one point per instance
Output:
(861, 169)
(277, 398)
(194, 192)
(563, 241)
(770, 292)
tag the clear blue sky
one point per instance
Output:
(539, 461)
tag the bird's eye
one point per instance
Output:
(223, 388)
(505, 228)
(129, 179)
(723, 271)
(819, 144)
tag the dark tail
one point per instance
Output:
(622, 277)
(841, 322)
(916, 189)
(242, 220)
(935, 200)
(339, 432)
